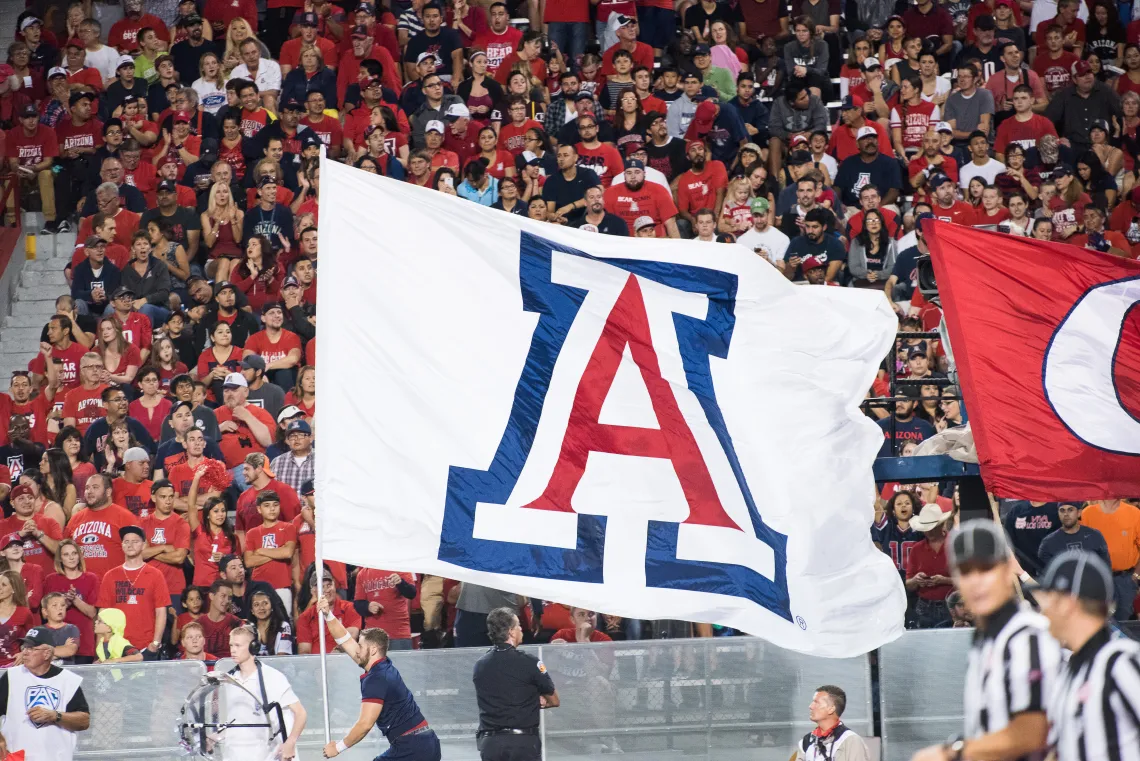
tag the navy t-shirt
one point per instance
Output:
(904, 271)
(1086, 539)
(442, 45)
(1026, 526)
(563, 192)
(916, 430)
(894, 541)
(383, 684)
(826, 250)
(855, 173)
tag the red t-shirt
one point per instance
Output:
(30, 150)
(137, 593)
(511, 136)
(88, 76)
(650, 200)
(1054, 72)
(86, 587)
(97, 534)
(1026, 134)
(12, 633)
(204, 545)
(291, 50)
(498, 46)
(307, 632)
(260, 344)
(217, 633)
(69, 364)
(216, 477)
(571, 635)
(235, 445)
(134, 497)
(86, 406)
(328, 130)
(642, 56)
(35, 553)
(537, 68)
(115, 254)
(276, 573)
(960, 213)
(604, 161)
(855, 224)
(137, 330)
(373, 585)
(1076, 25)
(126, 224)
(1067, 215)
(698, 191)
(175, 532)
(307, 546)
(151, 417)
(247, 518)
(36, 411)
(981, 217)
(87, 135)
(567, 12)
(124, 32)
(924, 559)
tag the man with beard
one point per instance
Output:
(124, 33)
(764, 239)
(869, 167)
(1071, 536)
(565, 192)
(225, 308)
(703, 186)
(20, 453)
(597, 219)
(635, 198)
(946, 205)
(1075, 108)
(931, 161)
(815, 242)
(38, 409)
(187, 53)
(665, 153)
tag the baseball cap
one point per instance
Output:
(800, 140)
(751, 147)
(122, 290)
(307, 488)
(531, 158)
(1062, 170)
(130, 98)
(799, 158)
(923, 215)
(1080, 68)
(309, 139)
(360, 32)
(268, 180)
(623, 20)
(434, 125)
(28, 110)
(19, 490)
(299, 426)
(985, 23)
(235, 380)
(29, 21)
(308, 19)
(77, 96)
(811, 263)
(124, 60)
(938, 180)
(75, 42)
(850, 102)
(292, 105)
(870, 62)
(867, 131)
(365, 8)
(94, 240)
(192, 20)
(10, 539)
(457, 111)
(167, 186)
(701, 49)
(224, 285)
(127, 530)
(980, 541)
(180, 404)
(291, 411)
(425, 56)
(916, 351)
(161, 483)
(1100, 124)
(253, 362)
(57, 71)
(136, 454)
(583, 95)
(290, 282)
(1080, 574)
(642, 222)
(209, 148)
(37, 636)
(269, 306)
(634, 164)
(1010, 3)
(944, 127)
(760, 206)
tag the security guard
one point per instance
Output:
(511, 687)
(1095, 707)
(1013, 662)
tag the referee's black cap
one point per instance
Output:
(1080, 574)
(978, 542)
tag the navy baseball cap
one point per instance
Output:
(938, 180)
(634, 164)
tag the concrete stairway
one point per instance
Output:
(41, 282)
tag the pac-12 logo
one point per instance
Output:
(43, 696)
(572, 460)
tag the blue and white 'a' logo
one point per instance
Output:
(42, 696)
(616, 464)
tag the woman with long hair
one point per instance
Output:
(951, 408)
(70, 441)
(212, 539)
(1129, 81)
(893, 41)
(851, 80)
(12, 559)
(892, 532)
(479, 91)
(211, 83)
(974, 192)
(500, 163)
(258, 276)
(222, 225)
(522, 83)
(929, 407)
(219, 360)
(274, 627)
(872, 253)
(119, 440)
(44, 504)
(628, 121)
(1068, 206)
(445, 180)
(1019, 221)
(724, 50)
(81, 589)
(15, 617)
(164, 355)
(763, 186)
(171, 252)
(121, 358)
(59, 482)
(1098, 182)
(1104, 34)
(152, 406)
(304, 392)
(231, 148)
(238, 32)
(538, 142)
(193, 606)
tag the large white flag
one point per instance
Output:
(648, 428)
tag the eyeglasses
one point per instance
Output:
(587, 126)
(435, 84)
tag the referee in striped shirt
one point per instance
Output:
(1012, 663)
(1095, 708)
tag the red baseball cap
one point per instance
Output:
(20, 490)
(181, 116)
(1080, 68)
(810, 263)
(10, 539)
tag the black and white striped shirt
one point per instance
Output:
(1095, 711)
(1012, 668)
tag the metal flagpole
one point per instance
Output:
(319, 575)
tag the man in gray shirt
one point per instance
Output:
(969, 108)
(474, 603)
(262, 393)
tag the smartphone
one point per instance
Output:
(449, 181)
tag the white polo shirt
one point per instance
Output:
(253, 744)
(268, 77)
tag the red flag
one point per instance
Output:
(1046, 338)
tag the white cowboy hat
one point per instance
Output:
(929, 517)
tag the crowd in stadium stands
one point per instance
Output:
(174, 390)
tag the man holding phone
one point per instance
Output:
(764, 239)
